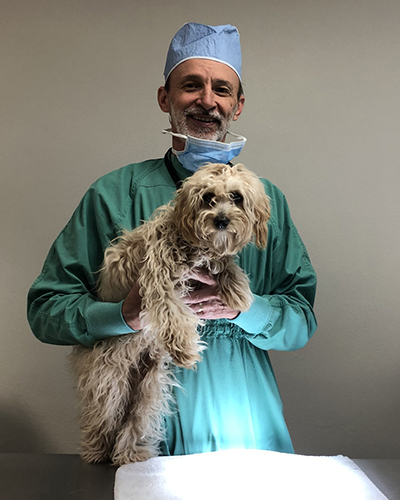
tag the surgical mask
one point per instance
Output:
(197, 152)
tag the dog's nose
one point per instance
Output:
(221, 222)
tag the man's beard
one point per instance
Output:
(179, 119)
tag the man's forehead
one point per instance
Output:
(204, 69)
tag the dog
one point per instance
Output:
(125, 383)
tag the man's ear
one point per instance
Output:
(239, 108)
(163, 101)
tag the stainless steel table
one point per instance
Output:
(53, 477)
(66, 477)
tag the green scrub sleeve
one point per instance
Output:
(67, 321)
(104, 319)
(62, 305)
(277, 323)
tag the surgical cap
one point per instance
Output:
(200, 41)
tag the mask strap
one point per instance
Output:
(171, 170)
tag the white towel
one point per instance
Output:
(244, 474)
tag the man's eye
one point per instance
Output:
(190, 86)
(208, 198)
(223, 91)
(236, 197)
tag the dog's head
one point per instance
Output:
(222, 208)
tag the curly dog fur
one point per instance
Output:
(125, 383)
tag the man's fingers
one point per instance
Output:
(202, 277)
(206, 294)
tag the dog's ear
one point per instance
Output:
(262, 213)
(185, 205)
(259, 202)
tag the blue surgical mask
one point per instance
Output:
(197, 152)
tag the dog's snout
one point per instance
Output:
(221, 222)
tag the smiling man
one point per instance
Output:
(203, 99)
(231, 400)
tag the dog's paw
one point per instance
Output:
(131, 456)
(239, 301)
(234, 289)
(185, 361)
(94, 457)
(186, 354)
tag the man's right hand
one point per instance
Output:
(132, 307)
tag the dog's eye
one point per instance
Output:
(236, 197)
(208, 198)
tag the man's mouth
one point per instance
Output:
(205, 120)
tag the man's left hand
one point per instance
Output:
(205, 300)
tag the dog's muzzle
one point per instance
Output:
(221, 222)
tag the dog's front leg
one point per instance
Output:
(165, 315)
(175, 325)
(234, 287)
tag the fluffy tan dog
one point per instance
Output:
(125, 383)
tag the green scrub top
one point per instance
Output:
(231, 400)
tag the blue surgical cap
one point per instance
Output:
(200, 41)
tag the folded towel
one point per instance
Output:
(244, 474)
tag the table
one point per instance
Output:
(53, 477)
(65, 477)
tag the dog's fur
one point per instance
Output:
(125, 382)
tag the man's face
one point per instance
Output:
(202, 99)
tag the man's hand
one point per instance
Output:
(205, 301)
(132, 307)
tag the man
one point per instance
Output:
(231, 400)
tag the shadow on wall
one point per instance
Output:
(18, 432)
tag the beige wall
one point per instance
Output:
(78, 86)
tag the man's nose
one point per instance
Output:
(207, 98)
